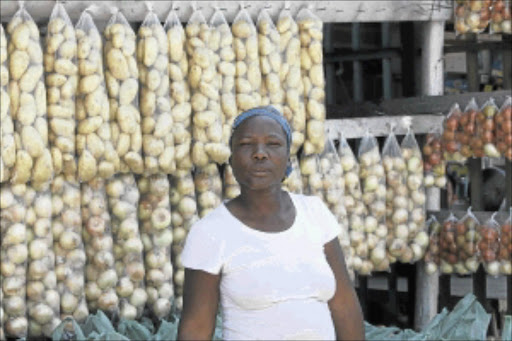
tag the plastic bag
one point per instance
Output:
(311, 37)
(122, 80)
(270, 61)
(221, 43)
(500, 17)
(8, 146)
(467, 238)
(397, 200)
(503, 124)
(483, 142)
(488, 246)
(447, 245)
(69, 247)
(452, 129)
(373, 178)
(180, 92)
(100, 274)
(471, 16)
(293, 183)
(418, 237)
(155, 105)
(505, 253)
(432, 256)
(96, 154)
(466, 137)
(123, 200)
(290, 76)
(184, 215)
(43, 300)
(157, 236)
(434, 165)
(14, 255)
(248, 73)
(312, 182)
(207, 137)
(28, 101)
(61, 67)
(230, 187)
(208, 186)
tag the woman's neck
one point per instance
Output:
(262, 202)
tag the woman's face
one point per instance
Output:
(259, 153)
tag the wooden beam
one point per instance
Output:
(479, 46)
(327, 11)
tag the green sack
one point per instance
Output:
(167, 331)
(506, 333)
(62, 332)
(133, 330)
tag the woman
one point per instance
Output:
(270, 257)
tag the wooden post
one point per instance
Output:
(432, 84)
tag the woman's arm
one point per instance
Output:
(200, 302)
(345, 308)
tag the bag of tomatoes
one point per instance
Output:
(452, 130)
(447, 245)
(432, 256)
(500, 17)
(483, 142)
(468, 129)
(471, 15)
(488, 246)
(434, 166)
(503, 124)
(466, 239)
(505, 251)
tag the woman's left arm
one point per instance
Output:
(344, 306)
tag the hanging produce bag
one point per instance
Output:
(467, 238)
(43, 300)
(293, 183)
(96, 154)
(180, 92)
(207, 137)
(28, 100)
(447, 245)
(432, 256)
(466, 137)
(503, 124)
(434, 165)
(488, 246)
(289, 69)
(471, 16)
(7, 144)
(452, 129)
(418, 237)
(123, 200)
(505, 253)
(270, 61)
(484, 140)
(184, 215)
(14, 255)
(248, 73)
(61, 67)
(155, 104)
(230, 187)
(157, 236)
(122, 80)
(501, 17)
(221, 43)
(208, 186)
(69, 247)
(312, 183)
(100, 273)
(311, 38)
(373, 178)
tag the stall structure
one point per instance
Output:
(422, 112)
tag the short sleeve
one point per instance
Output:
(327, 222)
(202, 250)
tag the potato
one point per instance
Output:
(152, 59)
(8, 148)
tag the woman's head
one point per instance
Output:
(260, 145)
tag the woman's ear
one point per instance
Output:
(229, 160)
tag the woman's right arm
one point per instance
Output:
(200, 303)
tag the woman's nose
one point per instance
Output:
(260, 152)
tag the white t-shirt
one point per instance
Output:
(274, 286)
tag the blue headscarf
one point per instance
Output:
(268, 111)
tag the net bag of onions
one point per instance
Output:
(447, 245)
(503, 124)
(488, 246)
(434, 166)
(471, 16)
(451, 129)
(505, 253)
(484, 140)
(432, 255)
(466, 239)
